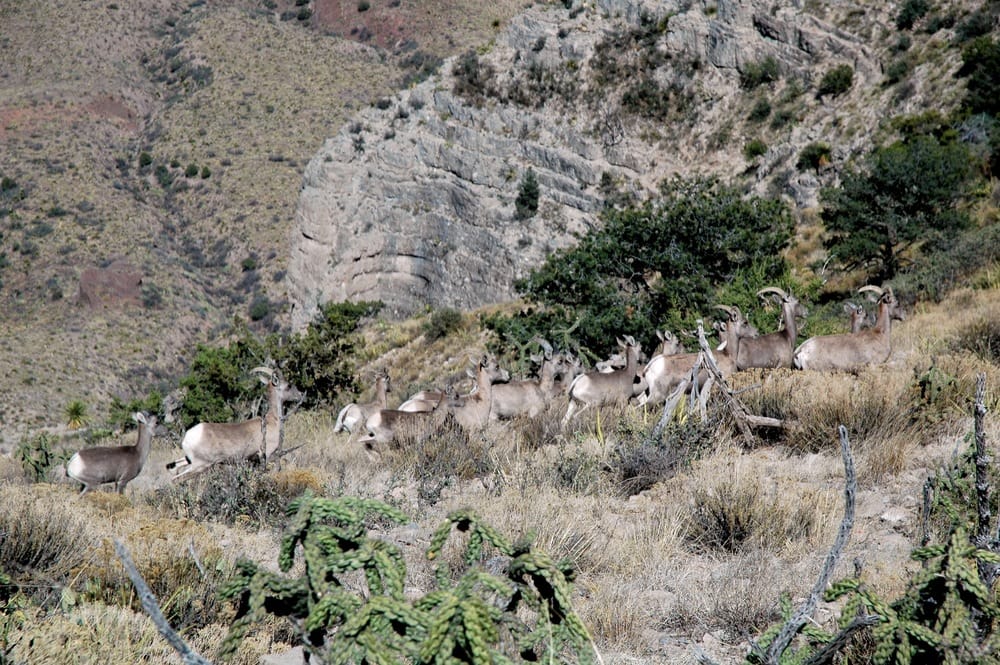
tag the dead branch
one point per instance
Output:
(188, 655)
(800, 616)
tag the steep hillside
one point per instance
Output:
(151, 159)
(413, 201)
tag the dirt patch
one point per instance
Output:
(117, 285)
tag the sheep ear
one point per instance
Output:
(139, 417)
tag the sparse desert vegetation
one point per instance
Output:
(151, 161)
(721, 528)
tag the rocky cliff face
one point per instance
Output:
(412, 202)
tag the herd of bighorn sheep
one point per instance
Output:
(494, 396)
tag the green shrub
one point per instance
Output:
(761, 109)
(191, 171)
(896, 71)
(836, 82)
(911, 12)
(206, 173)
(259, 308)
(441, 323)
(650, 265)
(759, 73)
(814, 156)
(145, 159)
(364, 5)
(754, 148)
(981, 64)
(473, 78)
(907, 193)
(526, 203)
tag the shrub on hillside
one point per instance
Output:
(759, 73)
(911, 12)
(836, 82)
(754, 148)
(648, 266)
(442, 323)
(906, 194)
(814, 156)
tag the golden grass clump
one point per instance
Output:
(40, 532)
(180, 561)
(731, 510)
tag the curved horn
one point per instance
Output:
(877, 290)
(733, 312)
(262, 370)
(773, 289)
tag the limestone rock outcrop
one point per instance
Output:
(412, 202)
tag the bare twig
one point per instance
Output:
(802, 614)
(194, 555)
(188, 655)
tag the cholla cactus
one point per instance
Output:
(520, 613)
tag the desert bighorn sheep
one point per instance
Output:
(665, 372)
(774, 349)
(113, 464)
(857, 315)
(598, 388)
(531, 395)
(207, 444)
(472, 411)
(353, 415)
(850, 351)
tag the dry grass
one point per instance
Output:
(701, 555)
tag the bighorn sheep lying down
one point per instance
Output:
(599, 388)
(470, 410)
(774, 349)
(850, 351)
(353, 415)
(665, 372)
(114, 464)
(207, 444)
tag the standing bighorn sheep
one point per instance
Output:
(599, 388)
(472, 411)
(113, 464)
(207, 444)
(774, 349)
(529, 396)
(850, 351)
(354, 415)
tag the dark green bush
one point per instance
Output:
(526, 203)
(981, 65)
(976, 24)
(191, 171)
(836, 82)
(907, 193)
(911, 12)
(259, 308)
(814, 156)
(754, 148)
(474, 80)
(761, 109)
(759, 73)
(651, 265)
(441, 323)
(145, 159)
(206, 173)
(896, 71)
